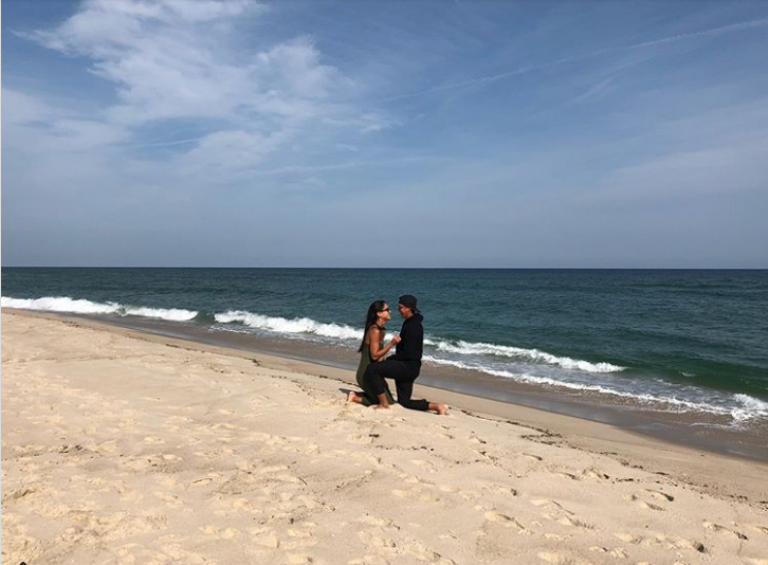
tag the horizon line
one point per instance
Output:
(431, 268)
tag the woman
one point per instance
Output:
(373, 350)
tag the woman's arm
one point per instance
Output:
(375, 336)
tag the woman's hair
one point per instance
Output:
(371, 318)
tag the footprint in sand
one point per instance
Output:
(169, 499)
(408, 478)
(298, 544)
(153, 440)
(372, 539)
(426, 465)
(561, 515)
(574, 522)
(506, 521)
(221, 533)
(723, 530)
(467, 495)
(629, 538)
(596, 475)
(269, 540)
(617, 552)
(179, 555)
(660, 540)
(660, 495)
(642, 503)
(562, 559)
(556, 537)
(423, 553)
(509, 491)
(416, 494)
(299, 559)
(475, 439)
(204, 481)
(540, 502)
(381, 522)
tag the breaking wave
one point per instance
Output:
(528, 355)
(740, 407)
(65, 304)
(284, 325)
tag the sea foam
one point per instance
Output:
(170, 314)
(60, 304)
(65, 304)
(284, 325)
(530, 355)
(740, 407)
(339, 331)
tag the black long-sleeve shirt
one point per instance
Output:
(411, 346)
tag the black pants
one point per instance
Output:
(403, 374)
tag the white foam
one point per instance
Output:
(747, 407)
(172, 314)
(284, 325)
(60, 304)
(66, 304)
(534, 355)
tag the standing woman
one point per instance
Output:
(373, 350)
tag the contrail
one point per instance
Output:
(532, 68)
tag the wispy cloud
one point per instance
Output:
(527, 69)
(232, 125)
(175, 59)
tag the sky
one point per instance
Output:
(235, 133)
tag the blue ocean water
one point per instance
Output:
(677, 341)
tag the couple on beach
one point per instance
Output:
(403, 367)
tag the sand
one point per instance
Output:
(121, 447)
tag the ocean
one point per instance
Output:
(678, 353)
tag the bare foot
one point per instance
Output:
(442, 409)
(381, 407)
(353, 397)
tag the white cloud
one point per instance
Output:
(181, 59)
(20, 108)
(31, 123)
(164, 57)
(227, 155)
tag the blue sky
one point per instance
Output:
(378, 134)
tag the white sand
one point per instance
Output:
(124, 448)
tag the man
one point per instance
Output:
(404, 366)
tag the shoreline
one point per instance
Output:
(669, 427)
(126, 447)
(633, 448)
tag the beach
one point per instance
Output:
(125, 447)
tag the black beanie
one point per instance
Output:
(409, 301)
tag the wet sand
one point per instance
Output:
(127, 447)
